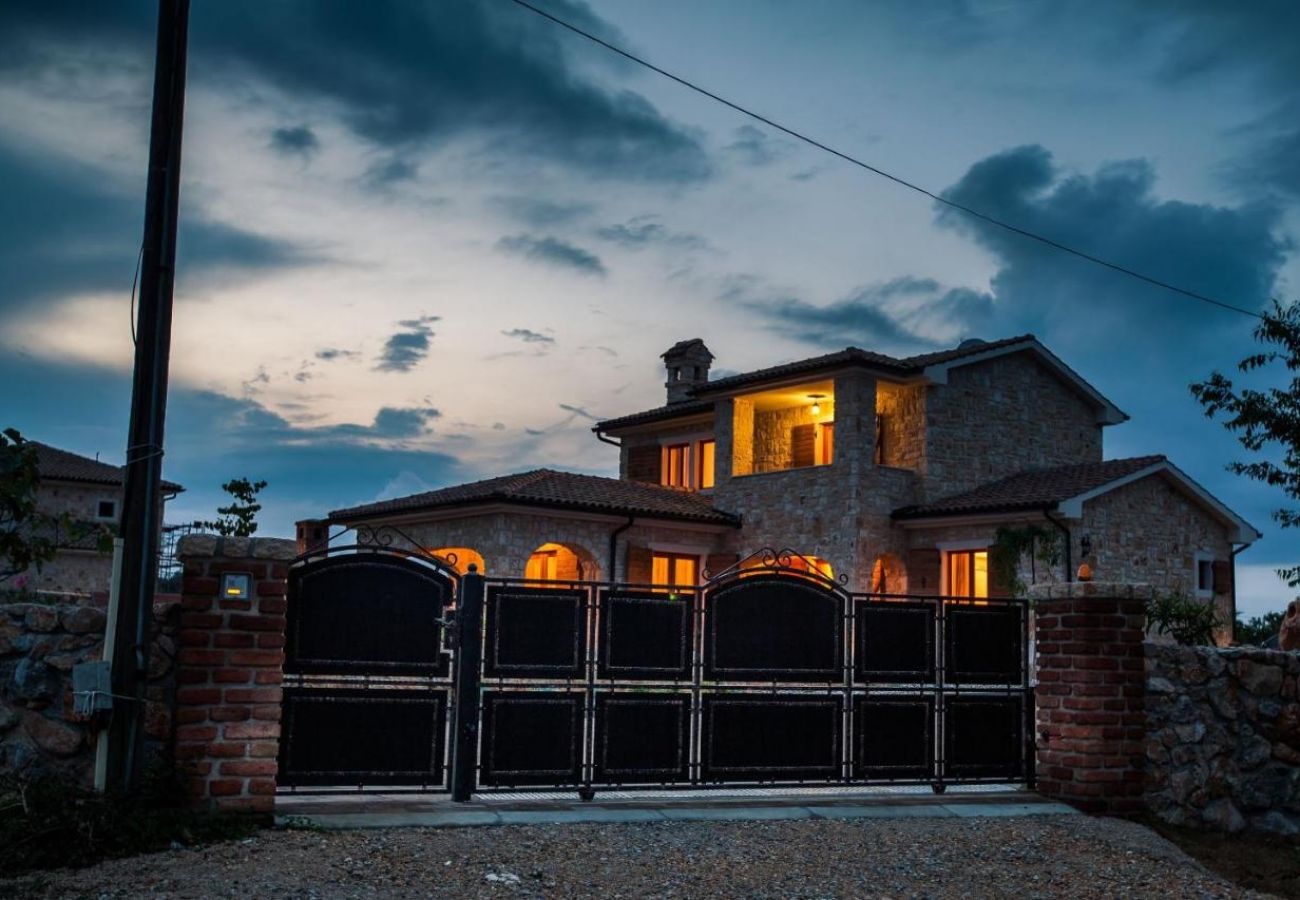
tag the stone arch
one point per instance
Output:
(888, 575)
(562, 561)
(460, 558)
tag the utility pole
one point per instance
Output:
(141, 504)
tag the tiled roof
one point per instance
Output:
(557, 490)
(1031, 490)
(911, 365)
(60, 465)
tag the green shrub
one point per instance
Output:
(1188, 621)
(51, 822)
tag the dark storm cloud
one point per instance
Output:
(405, 349)
(296, 140)
(391, 171)
(1224, 252)
(888, 316)
(65, 230)
(552, 250)
(528, 336)
(642, 231)
(402, 73)
(390, 423)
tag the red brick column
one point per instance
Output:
(1090, 697)
(229, 670)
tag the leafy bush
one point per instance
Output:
(51, 822)
(1188, 621)
(1259, 629)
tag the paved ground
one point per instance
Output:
(915, 856)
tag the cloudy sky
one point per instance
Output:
(428, 242)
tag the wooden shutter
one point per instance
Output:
(638, 565)
(997, 587)
(1222, 576)
(715, 563)
(643, 463)
(923, 571)
(803, 445)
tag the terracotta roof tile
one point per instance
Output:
(60, 465)
(558, 490)
(1031, 490)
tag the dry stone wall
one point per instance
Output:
(1223, 737)
(39, 645)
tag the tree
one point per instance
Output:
(1266, 420)
(238, 519)
(1258, 629)
(23, 543)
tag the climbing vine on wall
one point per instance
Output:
(1011, 545)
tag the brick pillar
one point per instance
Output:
(229, 673)
(1090, 695)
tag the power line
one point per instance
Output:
(938, 198)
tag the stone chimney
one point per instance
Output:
(687, 364)
(312, 534)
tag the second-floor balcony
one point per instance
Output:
(785, 428)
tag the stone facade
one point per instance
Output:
(75, 572)
(1223, 737)
(999, 417)
(39, 645)
(901, 408)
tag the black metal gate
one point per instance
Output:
(368, 683)
(767, 675)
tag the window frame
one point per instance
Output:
(1206, 560)
(964, 548)
(671, 558)
(692, 461)
(99, 503)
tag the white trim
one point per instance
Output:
(112, 517)
(981, 519)
(497, 507)
(1242, 532)
(1107, 413)
(679, 549)
(960, 546)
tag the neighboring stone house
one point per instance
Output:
(895, 473)
(89, 494)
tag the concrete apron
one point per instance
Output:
(333, 811)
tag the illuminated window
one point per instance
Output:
(704, 468)
(543, 565)
(674, 569)
(968, 573)
(676, 465)
(826, 448)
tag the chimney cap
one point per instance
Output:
(690, 347)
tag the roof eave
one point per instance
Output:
(342, 517)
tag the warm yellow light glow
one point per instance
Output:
(816, 409)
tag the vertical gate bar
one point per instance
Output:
(1029, 743)
(586, 792)
(469, 651)
(696, 749)
(846, 717)
(940, 704)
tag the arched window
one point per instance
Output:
(553, 561)
(460, 558)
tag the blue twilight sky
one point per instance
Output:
(428, 242)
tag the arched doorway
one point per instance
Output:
(554, 561)
(888, 575)
(459, 558)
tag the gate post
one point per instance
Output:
(469, 631)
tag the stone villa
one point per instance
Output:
(894, 473)
(85, 494)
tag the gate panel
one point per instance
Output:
(893, 737)
(366, 612)
(531, 738)
(642, 738)
(895, 641)
(645, 634)
(770, 738)
(535, 633)
(774, 628)
(984, 737)
(984, 644)
(352, 737)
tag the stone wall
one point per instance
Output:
(1223, 737)
(773, 447)
(999, 417)
(902, 411)
(39, 645)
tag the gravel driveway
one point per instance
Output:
(1040, 856)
